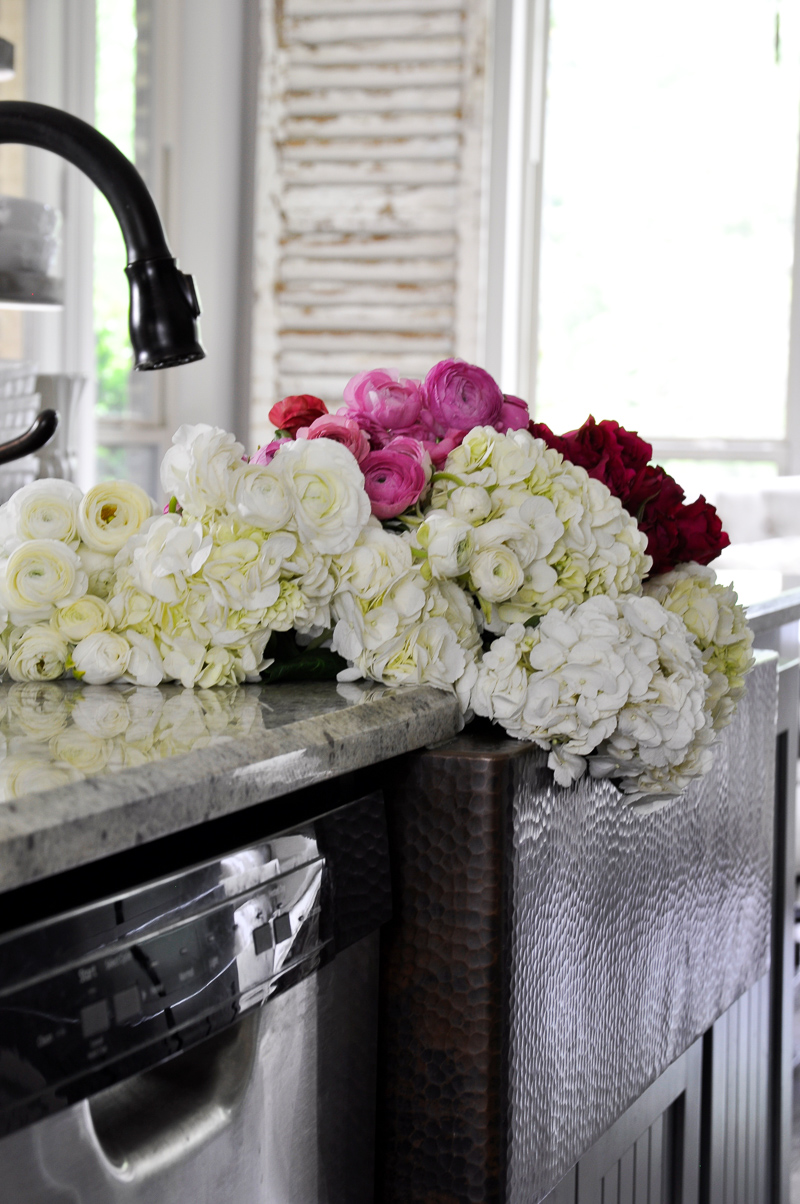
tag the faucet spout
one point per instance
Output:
(164, 306)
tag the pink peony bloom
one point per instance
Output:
(264, 454)
(395, 476)
(460, 396)
(340, 430)
(514, 415)
(389, 403)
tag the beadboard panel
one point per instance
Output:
(369, 191)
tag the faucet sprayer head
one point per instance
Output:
(163, 314)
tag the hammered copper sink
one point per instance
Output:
(554, 951)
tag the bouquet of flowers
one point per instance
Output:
(425, 532)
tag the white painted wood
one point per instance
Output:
(381, 171)
(300, 271)
(324, 245)
(433, 74)
(376, 150)
(369, 209)
(380, 50)
(388, 294)
(318, 8)
(371, 25)
(345, 363)
(379, 343)
(370, 124)
(321, 101)
(360, 208)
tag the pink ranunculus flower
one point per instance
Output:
(440, 451)
(460, 396)
(395, 477)
(264, 454)
(380, 395)
(514, 415)
(340, 430)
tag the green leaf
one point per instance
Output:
(292, 663)
(319, 665)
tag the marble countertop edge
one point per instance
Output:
(60, 829)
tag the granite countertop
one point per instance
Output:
(86, 771)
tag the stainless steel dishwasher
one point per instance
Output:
(208, 1036)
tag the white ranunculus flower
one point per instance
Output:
(85, 752)
(163, 554)
(22, 774)
(101, 657)
(449, 543)
(38, 576)
(496, 574)
(470, 502)
(45, 509)
(102, 712)
(39, 709)
(82, 618)
(202, 469)
(331, 507)
(110, 513)
(261, 497)
(99, 568)
(37, 653)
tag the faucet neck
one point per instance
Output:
(81, 144)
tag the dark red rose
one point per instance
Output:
(655, 500)
(676, 532)
(700, 532)
(540, 430)
(605, 449)
(619, 458)
(295, 412)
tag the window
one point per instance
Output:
(667, 225)
(129, 434)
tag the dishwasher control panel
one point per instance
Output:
(93, 996)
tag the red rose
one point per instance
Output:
(295, 412)
(655, 501)
(605, 449)
(700, 532)
(619, 458)
(676, 532)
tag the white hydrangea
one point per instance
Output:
(620, 678)
(546, 534)
(713, 616)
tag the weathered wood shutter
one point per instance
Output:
(368, 193)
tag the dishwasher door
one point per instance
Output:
(205, 1038)
(277, 1109)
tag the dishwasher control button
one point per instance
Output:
(283, 929)
(262, 938)
(94, 1018)
(127, 1005)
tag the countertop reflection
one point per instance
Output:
(86, 771)
(56, 733)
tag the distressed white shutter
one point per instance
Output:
(368, 194)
